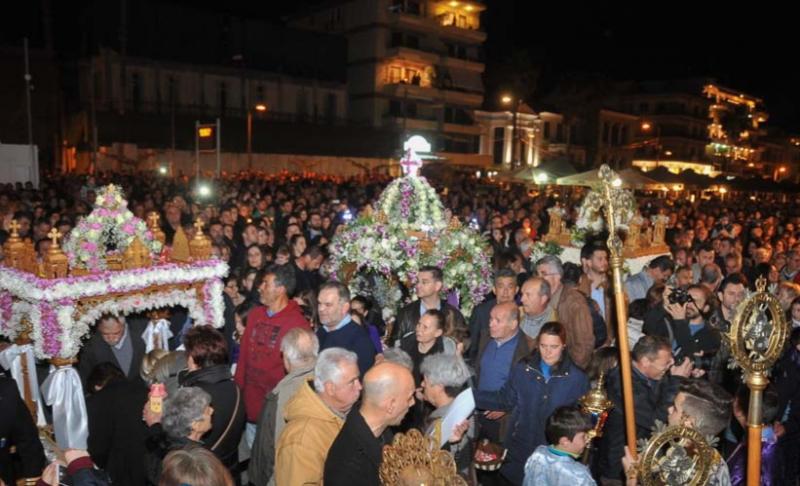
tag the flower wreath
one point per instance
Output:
(110, 223)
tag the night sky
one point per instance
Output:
(752, 48)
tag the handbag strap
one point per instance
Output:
(230, 423)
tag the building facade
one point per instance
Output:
(414, 66)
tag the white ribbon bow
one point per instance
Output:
(11, 359)
(63, 391)
(160, 330)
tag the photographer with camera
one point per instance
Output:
(683, 322)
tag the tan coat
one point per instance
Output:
(311, 428)
(572, 311)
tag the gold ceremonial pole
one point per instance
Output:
(757, 338)
(611, 190)
(757, 382)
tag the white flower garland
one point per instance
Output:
(30, 288)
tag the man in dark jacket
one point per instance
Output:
(505, 289)
(499, 351)
(17, 429)
(117, 340)
(429, 284)
(116, 430)
(655, 384)
(338, 329)
(684, 324)
(208, 369)
(355, 456)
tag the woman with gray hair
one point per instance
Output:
(444, 376)
(185, 419)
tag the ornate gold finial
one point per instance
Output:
(14, 248)
(412, 455)
(136, 255)
(152, 219)
(54, 235)
(675, 455)
(56, 263)
(200, 246)
(596, 400)
(14, 227)
(761, 284)
(155, 228)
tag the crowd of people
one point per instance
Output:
(306, 382)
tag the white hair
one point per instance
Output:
(297, 350)
(448, 370)
(328, 368)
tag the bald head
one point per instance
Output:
(388, 393)
(503, 321)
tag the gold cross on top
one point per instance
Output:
(54, 235)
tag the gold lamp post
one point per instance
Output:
(619, 208)
(757, 338)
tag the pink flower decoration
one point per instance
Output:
(128, 228)
(96, 226)
(50, 330)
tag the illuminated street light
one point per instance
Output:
(260, 107)
(162, 170)
(203, 190)
(507, 99)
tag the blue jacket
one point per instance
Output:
(531, 400)
(351, 337)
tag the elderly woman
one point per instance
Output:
(185, 419)
(444, 377)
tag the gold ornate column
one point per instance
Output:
(757, 338)
(615, 200)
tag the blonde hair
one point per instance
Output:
(149, 363)
(163, 365)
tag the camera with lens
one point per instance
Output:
(679, 295)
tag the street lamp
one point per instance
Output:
(646, 127)
(509, 100)
(259, 107)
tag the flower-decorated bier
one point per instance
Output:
(380, 253)
(639, 248)
(111, 263)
